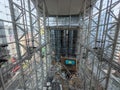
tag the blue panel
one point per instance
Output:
(70, 62)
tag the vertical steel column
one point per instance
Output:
(99, 17)
(82, 48)
(113, 51)
(78, 39)
(49, 42)
(16, 39)
(71, 44)
(70, 21)
(56, 45)
(88, 40)
(40, 51)
(57, 21)
(2, 81)
(32, 40)
(45, 35)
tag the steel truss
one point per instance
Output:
(99, 42)
(27, 27)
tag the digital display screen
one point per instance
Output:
(70, 62)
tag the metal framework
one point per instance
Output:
(28, 28)
(99, 40)
(35, 38)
